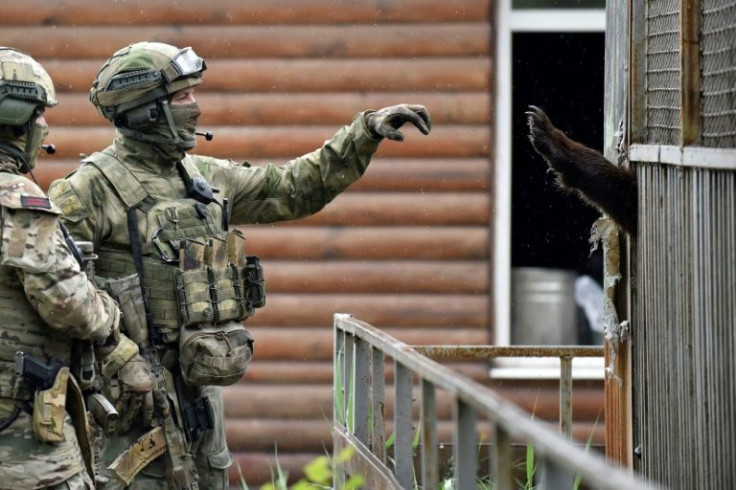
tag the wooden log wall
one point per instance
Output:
(406, 248)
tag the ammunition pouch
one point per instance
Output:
(221, 294)
(127, 292)
(214, 354)
(255, 289)
(49, 409)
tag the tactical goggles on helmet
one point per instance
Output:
(185, 63)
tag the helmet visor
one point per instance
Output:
(186, 62)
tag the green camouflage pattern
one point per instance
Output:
(94, 211)
(136, 57)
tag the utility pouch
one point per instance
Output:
(49, 409)
(255, 288)
(223, 294)
(127, 292)
(193, 294)
(214, 354)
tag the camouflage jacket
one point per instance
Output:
(46, 300)
(94, 212)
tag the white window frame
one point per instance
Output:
(508, 22)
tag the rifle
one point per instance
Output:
(166, 438)
(83, 360)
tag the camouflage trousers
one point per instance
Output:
(211, 455)
(26, 463)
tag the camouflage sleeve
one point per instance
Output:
(304, 185)
(33, 244)
(75, 214)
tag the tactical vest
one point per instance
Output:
(22, 329)
(199, 282)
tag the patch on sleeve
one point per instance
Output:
(64, 196)
(33, 202)
(28, 239)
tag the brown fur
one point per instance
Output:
(608, 187)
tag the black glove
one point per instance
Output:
(385, 123)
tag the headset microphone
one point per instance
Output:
(208, 135)
(50, 148)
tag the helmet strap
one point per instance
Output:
(170, 121)
(155, 138)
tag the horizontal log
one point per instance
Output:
(300, 344)
(404, 209)
(268, 109)
(259, 41)
(378, 276)
(418, 175)
(232, 12)
(286, 75)
(314, 435)
(257, 468)
(279, 372)
(285, 142)
(368, 243)
(282, 435)
(244, 401)
(380, 310)
(426, 175)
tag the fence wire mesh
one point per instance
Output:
(662, 72)
(718, 64)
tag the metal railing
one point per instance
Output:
(361, 351)
(487, 352)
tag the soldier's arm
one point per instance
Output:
(53, 281)
(81, 201)
(304, 185)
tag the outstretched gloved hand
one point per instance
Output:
(386, 122)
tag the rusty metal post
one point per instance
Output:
(566, 396)
(378, 402)
(403, 454)
(504, 460)
(363, 383)
(430, 473)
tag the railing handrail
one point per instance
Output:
(484, 352)
(510, 418)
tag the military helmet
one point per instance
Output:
(24, 87)
(129, 85)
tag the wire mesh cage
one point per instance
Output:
(718, 65)
(662, 74)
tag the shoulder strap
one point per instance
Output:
(128, 188)
(191, 167)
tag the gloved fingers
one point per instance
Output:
(121, 405)
(419, 117)
(396, 116)
(147, 409)
(387, 131)
(161, 402)
(129, 413)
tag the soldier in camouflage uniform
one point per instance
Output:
(199, 284)
(46, 302)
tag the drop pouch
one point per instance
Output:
(214, 354)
